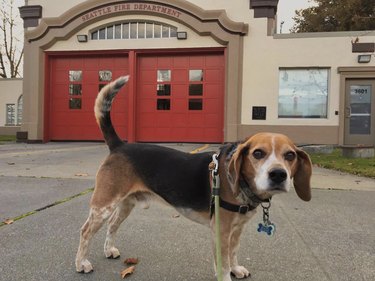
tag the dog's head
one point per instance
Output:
(267, 163)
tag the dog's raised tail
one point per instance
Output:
(102, 109)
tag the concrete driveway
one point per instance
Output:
(46, 187)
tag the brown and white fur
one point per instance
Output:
(266, 162)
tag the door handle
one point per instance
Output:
(348, 112)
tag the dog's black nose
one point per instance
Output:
(278, 175)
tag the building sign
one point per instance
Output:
(131, 7)
(259, 112)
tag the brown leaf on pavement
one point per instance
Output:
(8, 221)
(81, 174)
(128, 271)
(131, 261)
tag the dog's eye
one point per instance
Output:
(259, 154)
(290, 156)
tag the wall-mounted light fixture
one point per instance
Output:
(82, 38)
(181, 35)
(364, 58)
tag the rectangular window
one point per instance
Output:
(75, 75)
(125, 31)
(133, 30)
(360, 109)
(110, 32)
(102, 33)
(164, 75)
(149, 30)
(141, 29)
(94, 35)
(163, 104)
(157, 30)
(303, 93)
(118, 31)
(196, 75)
(163, 89)
(165, 31)
(173, 32)
(105, 75)
(75, 103)
(75, 89)
(10, 114)
(195, 89)
(195, 104)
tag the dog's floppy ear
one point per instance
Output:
(234, 167)
(302, 176)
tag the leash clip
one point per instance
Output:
(215, 179)
(267, 226)
(215, 161)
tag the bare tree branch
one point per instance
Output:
(11, 53)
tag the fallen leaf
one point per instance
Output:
(81, 174)
(128, 271)
(131, 261)
(8, 221)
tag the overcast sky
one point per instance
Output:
(285, 12)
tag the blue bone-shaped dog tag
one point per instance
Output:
(269, 229)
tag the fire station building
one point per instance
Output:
(200, 71)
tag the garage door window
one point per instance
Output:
(75, 89)
(105, 76)
(163, 89)
(195, 89)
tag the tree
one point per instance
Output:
(11, 50)
(336, 15)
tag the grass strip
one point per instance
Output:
(48, 206)
(357, 166)
(7, 139)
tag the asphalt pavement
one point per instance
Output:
(45, 190)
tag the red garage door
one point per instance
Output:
(180, 98)
(74, 85)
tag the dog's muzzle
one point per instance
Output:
(277, 176)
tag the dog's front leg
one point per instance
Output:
(238, 270)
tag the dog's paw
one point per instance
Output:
(84, 266)
(240, 272)
(112, 253)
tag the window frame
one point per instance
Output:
(301, 103)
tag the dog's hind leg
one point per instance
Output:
(94, 222)
(121, 212)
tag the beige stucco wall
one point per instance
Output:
(10, 91)
(263, 55)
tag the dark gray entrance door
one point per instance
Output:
(360, 112)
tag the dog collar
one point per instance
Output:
(242, 209)
(250, 195)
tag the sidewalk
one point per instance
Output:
(330, 238)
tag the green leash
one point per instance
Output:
(216, 194)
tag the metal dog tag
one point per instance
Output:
(268, 229)
(267, 226)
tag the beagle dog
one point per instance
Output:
(250, 173)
